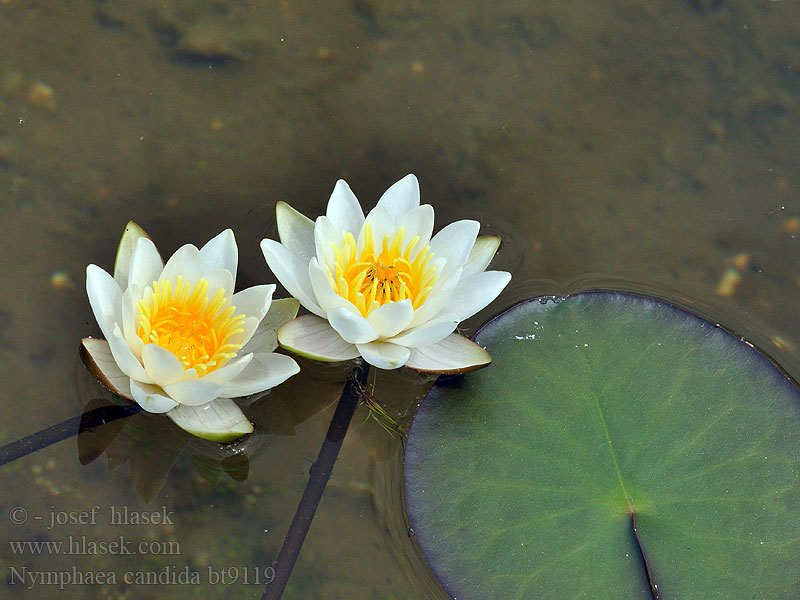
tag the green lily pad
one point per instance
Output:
(601, 411)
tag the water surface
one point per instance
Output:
(647, 146)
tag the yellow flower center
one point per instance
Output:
(378, 276)
(184, 321)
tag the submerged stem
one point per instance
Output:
(66, 429)
(320, 473)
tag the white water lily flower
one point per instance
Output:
(381, 287)
(178, 340)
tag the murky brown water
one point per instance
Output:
(640, 145)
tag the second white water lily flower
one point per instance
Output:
(381, 287)
(178, 340)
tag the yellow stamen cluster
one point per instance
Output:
(377, 276)
(184, 321)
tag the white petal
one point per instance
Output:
(220, 280)
(265, 371)
(161, 365)
(417, 222)
(151, 397)
(392, 318)
(230, 370)
(481, 254)
(126, 246)
(187, 263)
(195, 392)
(220, 252)
(351, 326)
(130, 320)
(219, 421)
(430, 333)
(455, 242)
(249, 327)
(344, 211)
(381, 224)
(314, 338)
(454, 354)
(137, 292)
(104, 368)
(401, 197)
(126, 360)
(476, 292)
(384, 355)
(265, 339)
(254, 301)
(326, 296)
(296, 231)
(105, 298)
(292, 272)
(145, 264)
(325, 235)
(437, 299)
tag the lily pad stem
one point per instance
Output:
(320, 473)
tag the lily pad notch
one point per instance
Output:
(617, 447)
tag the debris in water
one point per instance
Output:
(60, 280)
(791, 226)
(728, 283)
(42, 95)
(741, 261)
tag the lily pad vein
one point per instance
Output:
(607, 434)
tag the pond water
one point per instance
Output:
(645, 146)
